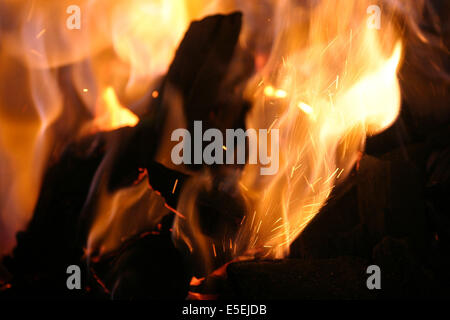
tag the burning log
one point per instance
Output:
(403, 275)
(384, 214)
(384, 197)
(53, 241)
(380, 215)
(56, 235)
(340, 278)
(334, 278)
(198, 75)
(147, 268)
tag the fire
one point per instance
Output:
(110, 114)
(341, 85)
(327, 82)
(145, 35)
(322, 78)
(118, 53)
(134, 207)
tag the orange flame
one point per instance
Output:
(322, 78)
(329, 81)
(117, 54)
(110, 114)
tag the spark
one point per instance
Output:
(30, 13)
(242, 221)
(295, 169)
(306, 221)
(174, 211)
(331, 176)
(335, 82)
(174, 186)
(254, 242)
(348, 53)
(99, 281)
(243, 187)
(310, 205)
(259, 226)
(37, 53)
(276, 228)
(254, 214)
(305, 108)
(41, 33)
(271, 126)
(155, 94)
(214, 250)
(277, 236)
(328, 46)
(330, 95)
(315, 182)
(311, 186)
(284, 243)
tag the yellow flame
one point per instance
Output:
(128, 207)
(110, 114)
(335, 82)
(121, 47)
(324, 56)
